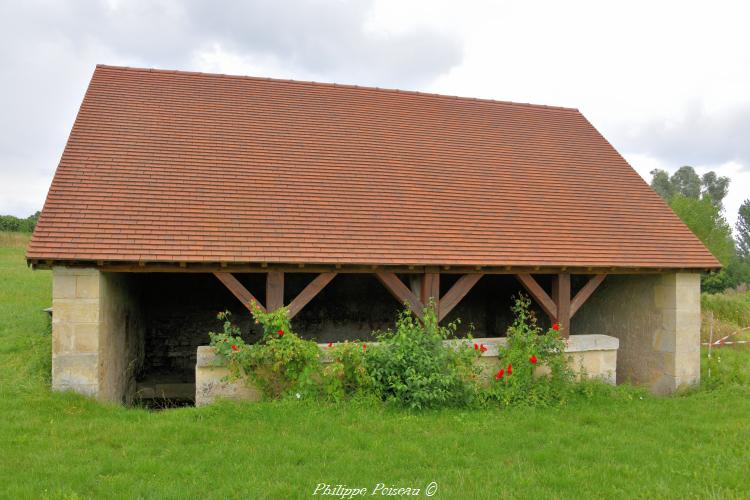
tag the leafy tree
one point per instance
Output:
(686, 182)
(16, 224)
(705, 219)
(661, 184)
(743, 230)
(715, 187)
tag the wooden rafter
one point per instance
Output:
(400, 291)
(536, 291)
(584, 293)
(309, 292)
(238, 290)
(457, 292)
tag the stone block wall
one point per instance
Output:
(657, 320)
(97, 333)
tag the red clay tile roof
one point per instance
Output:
(176, 166)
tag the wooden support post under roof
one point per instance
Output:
(238, 290)
(430, 289)
(457, 292)
(415, 284)
(309, 292)
(400, 291)
(560, 307)
(561, 296)
(274, 290)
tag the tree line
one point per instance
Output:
(17, 224)
(699, 202)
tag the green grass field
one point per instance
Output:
(622, 443)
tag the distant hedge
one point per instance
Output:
(14, 224)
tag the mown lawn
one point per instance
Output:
(621, 444)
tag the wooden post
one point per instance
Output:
(274, 290)
(430, 289)
(415, 284)
(561, 296)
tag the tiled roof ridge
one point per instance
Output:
(337, 85)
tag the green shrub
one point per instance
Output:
(411, 365)
(526, 350)
(727, 367)
(346, 374)
(280, 363)
(728, 307)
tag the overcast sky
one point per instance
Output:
(668, 83)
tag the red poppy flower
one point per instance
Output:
(476, 346)
(533, 359)
(330, 344)
(556, 326)
(281, 332)
(482, 348)
(364, 346)
(499, 374)
(234, 347)
(510, 368)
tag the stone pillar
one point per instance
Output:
(657, 320)
(97, 333)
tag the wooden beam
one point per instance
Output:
(274, 290)
(309, 292)
(415, 284)
(400, 291)
(430, 289)
(561, 292)
(238, 290)
(584, 293)
(457, 292)
(536, 291)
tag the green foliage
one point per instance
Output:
(686, 182)
(725, 367)
(743, 231)
(527, 350)
(346, 375)
(281, 363)
(731, 308)
(715, 187)
(707, 222)
(661, 184)
(413, 367)
(11, 223)
(698, 202)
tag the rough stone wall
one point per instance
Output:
(121, 336)
(97, 333)
(657, 320)
(181, 309)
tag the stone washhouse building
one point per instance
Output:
(180, 194)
